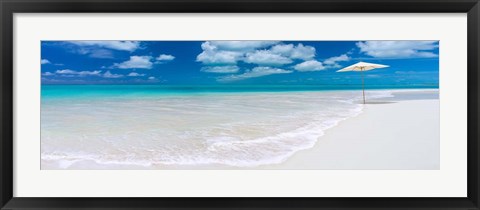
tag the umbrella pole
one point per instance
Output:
(363, 87)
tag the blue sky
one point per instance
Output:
(237, 62)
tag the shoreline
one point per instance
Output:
(337, 144)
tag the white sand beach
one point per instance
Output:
(398, 135)
(396, 130)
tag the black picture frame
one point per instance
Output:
(9, 7)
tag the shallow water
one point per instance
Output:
(151, 130)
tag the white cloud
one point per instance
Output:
(311, 65)
(44, 61)
(266, 57)
(114, 45)
(211, 55)
(136, 62)
(100, 53)
(49, 80)
(92, 51)
(333, 62)
(79, 73)
(135, 74)
(108, 74)
(295, 52)
(283, 49)
(218, 57)
(241, 45)
(73, 73)
(303, 52)
(264, 53)
(151, 78)
(48, 74)
(164, 57)
(66, 71)
(398, 49)
(220, 69)
(255, 72)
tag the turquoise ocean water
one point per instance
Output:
(79, 91)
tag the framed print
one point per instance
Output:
(236, 118)
(239, 105)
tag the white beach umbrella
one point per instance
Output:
(361, 67)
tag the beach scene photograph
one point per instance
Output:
(240, 105)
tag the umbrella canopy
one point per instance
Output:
(362, 66)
